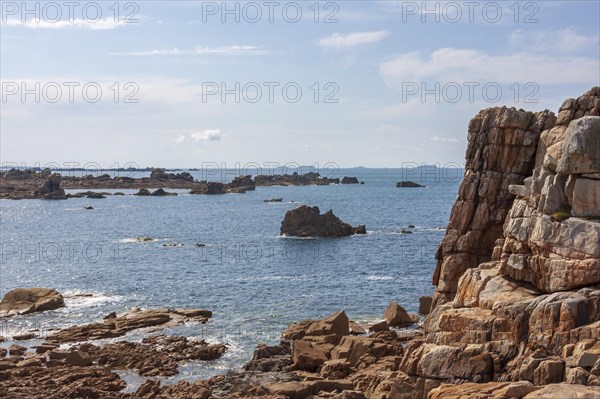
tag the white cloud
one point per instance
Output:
(444, 139)
(467, 65)
(179, 139)
(207, 135)
(352, 39)
(561, 41)
(102, 24)
(202, 50)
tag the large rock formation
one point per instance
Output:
(518, 273)
(51, 189)
(30, 300)
(306, 221)
(502, 144)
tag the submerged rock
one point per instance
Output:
(410, 184)
(306, 221)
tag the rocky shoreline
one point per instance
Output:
(28, 184)
(515, 313)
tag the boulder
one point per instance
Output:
(397, 316)
(306, 221)
(581, 148)
(30, 300)
(307, 356)
(381, 326)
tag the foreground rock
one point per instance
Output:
(397, 316)
(306, 221)
(118, 325)
(154, 356)
(30, 300)
(87, 371)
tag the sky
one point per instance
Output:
(182, 84)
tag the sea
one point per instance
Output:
(225, 253)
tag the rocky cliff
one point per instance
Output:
(518, 273)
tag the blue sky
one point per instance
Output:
(371, 60)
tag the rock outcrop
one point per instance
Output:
(51, 189)
(160, 174)
(518, 273)
(349, 180)
(30, 300)
(502, 145)
(306, 221)
(115, 325)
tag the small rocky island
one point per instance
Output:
(306, 221)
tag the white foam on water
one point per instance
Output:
(375, 277)
(77, 299)
(137, 240)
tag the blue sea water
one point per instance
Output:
(255, 281)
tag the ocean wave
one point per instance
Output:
(138, 240)
(375, 277)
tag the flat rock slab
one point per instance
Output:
(118, 325)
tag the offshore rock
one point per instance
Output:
(306, 221)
